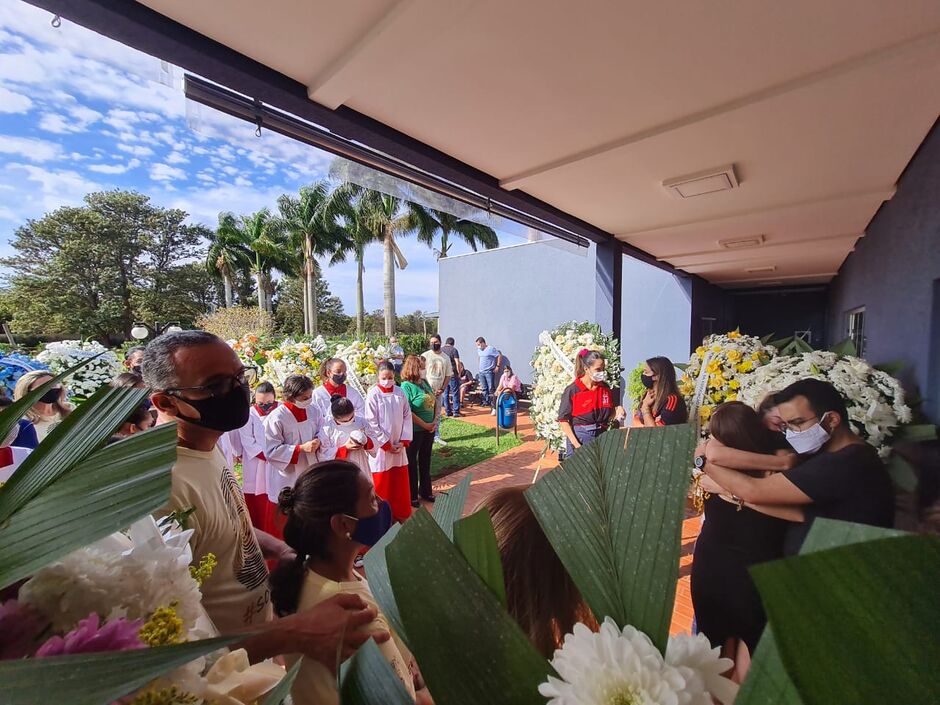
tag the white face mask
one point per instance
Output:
(346, 424)
(303, 404)
(386, 383)
(598, 376)
(808, 441)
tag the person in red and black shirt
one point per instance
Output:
(587, 405)
(662, 405)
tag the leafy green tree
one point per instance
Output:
(302, 219)
(289, 314)
(93, 270)
(228, 255)
(474, 234)
(265, 238)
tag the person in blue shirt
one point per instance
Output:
(26, 436)
(490, 360)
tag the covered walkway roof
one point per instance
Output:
(749, 143)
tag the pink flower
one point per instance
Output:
(90, 637)
(20, 626)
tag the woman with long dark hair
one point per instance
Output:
(330, 512)
(734, 537)
(587, 404)
(662, 405)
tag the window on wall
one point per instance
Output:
(856, 329)
(708, 326)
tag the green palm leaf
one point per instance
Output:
(79, 434)
(476, 540)
(105, 492)
(280, 692)
(613, 513)
(376, 565)
(470, 650)
(368, 679)
(449, 506)
(95, 679)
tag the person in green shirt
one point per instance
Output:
(424, 418)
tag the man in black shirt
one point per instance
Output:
(841, 477)
(452, 392)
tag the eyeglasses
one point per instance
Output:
(221, 387)
(797, 426)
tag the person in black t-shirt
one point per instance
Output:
(842, 476)
(587, 404)
(662, 405)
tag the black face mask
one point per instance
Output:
(224, 413)
(268, 406)
(136, 369)
(647, 381)
(52, 396)
(371, 529)
(435, 346)
(338, 379)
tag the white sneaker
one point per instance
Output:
(492, 412)
(440, 441)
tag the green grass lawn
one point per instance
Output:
(467, 444)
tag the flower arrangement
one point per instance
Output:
(293, 358)
(553, 363)
(635, 389)
(718, 369)
(131, 593)
(874, 399)
(362, 360)
(250, 349)
(62, 355)
(14, 366)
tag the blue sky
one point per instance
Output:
(80, 112)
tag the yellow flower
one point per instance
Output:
(734, 334)
(734, 384)
(745, 366)
(165, 696)
(716, 348)
(700, 351)
(203, 571)
(717, 397)
(705, 413)
(755, 356)
(734, 355)
(716, 381)
(732, 396)
(713, 367)
(163, 628)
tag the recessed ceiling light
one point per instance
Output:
(703, 182)
(741, 243)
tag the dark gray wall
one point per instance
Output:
(892, 273)
(782, 312)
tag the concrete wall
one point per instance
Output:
(511, 294)
(893, 273)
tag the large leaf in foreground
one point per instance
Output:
(376, 565)
(613, 513)
(449, 506)
(80, 433)
(768, 682)
(470, 650)
(95, 679)
(368, 679)
(106, 492)
(476, 541)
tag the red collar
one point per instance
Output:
(262, 412)
(6, 456)
(341, 389)
(300, 415)
(583, 387)
(386, 391)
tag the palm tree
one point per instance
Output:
(474, 234)
(302, 220)
(388, 217)
(269, 251)
(228, 253)
(349, 217)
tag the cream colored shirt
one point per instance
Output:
(236, 595)
(315, 685)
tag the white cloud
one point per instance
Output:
(137, 150)
(29, 148)
(165, 172)
(176, 158)
(115, 168)
(43, 190)
(242, 181)
(74, 117)
(12, 102)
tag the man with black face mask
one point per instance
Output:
(199, 382)
(841, 476)
(133, 359)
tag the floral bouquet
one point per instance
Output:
(125, 592)
(718, 369)
(553, 363)
(14, 366)
(361, 362)
(874, 399)
(293, 358)
(86, 381)
(251, 350)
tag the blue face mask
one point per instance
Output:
(370, 529)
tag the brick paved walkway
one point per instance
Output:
(518, 466)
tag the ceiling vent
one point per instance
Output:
(741, 243)
(710, 181)
(761, 270)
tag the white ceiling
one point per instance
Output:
(590, 106)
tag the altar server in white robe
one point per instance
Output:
(389, 415)
(291, 443)
(347, 436)
(252, 442)
(335, 381)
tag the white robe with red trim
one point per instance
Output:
(333, 443)
(10, 459)
(285, 429)
(322, 396)
(389, 416)
(251, 441)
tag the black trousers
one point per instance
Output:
(419, 463)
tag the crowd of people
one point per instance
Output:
(326, 471)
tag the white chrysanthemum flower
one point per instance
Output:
(701, 667)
